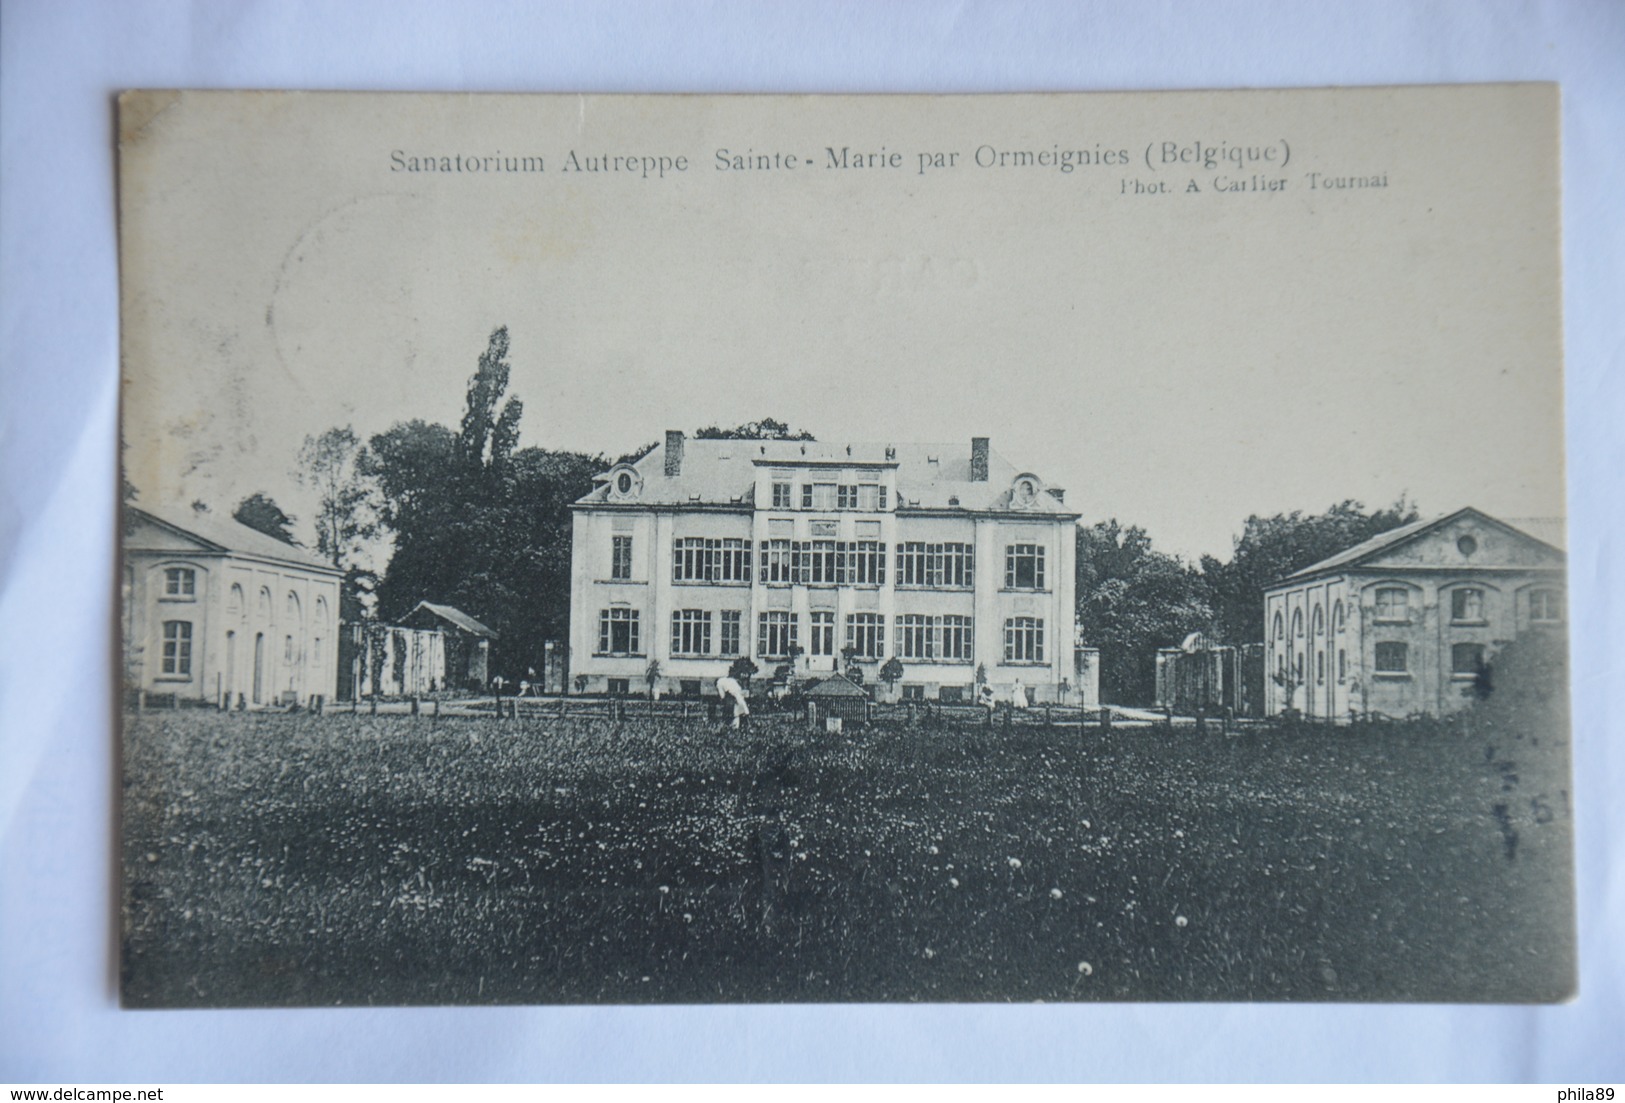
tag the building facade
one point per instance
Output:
(1406, 622)
(802, 553)
(217, 612)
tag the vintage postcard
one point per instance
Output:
(789, 548)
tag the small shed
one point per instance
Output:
(838, 696)
(468, 642)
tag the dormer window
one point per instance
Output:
(180, 582)
(625, 484)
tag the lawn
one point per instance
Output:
(299, 859)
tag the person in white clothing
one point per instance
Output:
(729, 689)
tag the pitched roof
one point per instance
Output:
(457, 617)
(929, 476)
(837, 685)
(1384, 541)
(227, 534)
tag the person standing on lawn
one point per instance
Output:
(730, 690)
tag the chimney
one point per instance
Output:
(674, 453)
(978, 459)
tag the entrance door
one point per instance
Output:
(231, 666)
(259, 665)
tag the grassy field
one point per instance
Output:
(295, 859)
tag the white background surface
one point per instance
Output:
(60, 66)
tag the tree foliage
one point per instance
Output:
(261, 514)
(1270, 548)
(330, 463)
(765, 429)
(1133, 600)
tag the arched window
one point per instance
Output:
(1337, 618)
(1275, 636)
(1297, 624)
(294, 619)
(265, 605)
(234, 604)
(1320, 622)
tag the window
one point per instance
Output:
(1024, 640)
(866, 634)
(818, 563)
(818, 496)
(913, 693)
(937, 639)
(872, 498)
(777, 562)
(730, 560)
(692, 559)
(935, 565)
(178, 648)
(689, 687)
(1297, 624)
(180, 582)
(1545, 606)
(956, 640)
(1467, 605)
(287, 650)
(699, 559)
(781, 495)
(775, 635)
(951, 695)
(1320, 668)
(1466, 659)
(1024, 567)
(620, 564)
(1393, 603)
(618, 631)
(823, 634)
(1338, 627)
(620, 687)
(1275, 636)
(914, 636)
(1320, 622)
(730, 632)
(1342, 666)
(690, 632)
(865, 564)
(1391, 658)
(846, 497)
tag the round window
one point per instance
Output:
(624, 483)
(1467, 545)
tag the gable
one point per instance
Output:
(147, 535)
(1464, 541)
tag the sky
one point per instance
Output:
(1177, 353)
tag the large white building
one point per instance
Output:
(1405, 622)
(218, 612)
(946, 557)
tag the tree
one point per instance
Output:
(477, 521)
(651, 675)
(743, 669)
(331, 464)
(765, 429)
(1270, 548)
(261, 514)
(1133, 600)
(891, 672)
